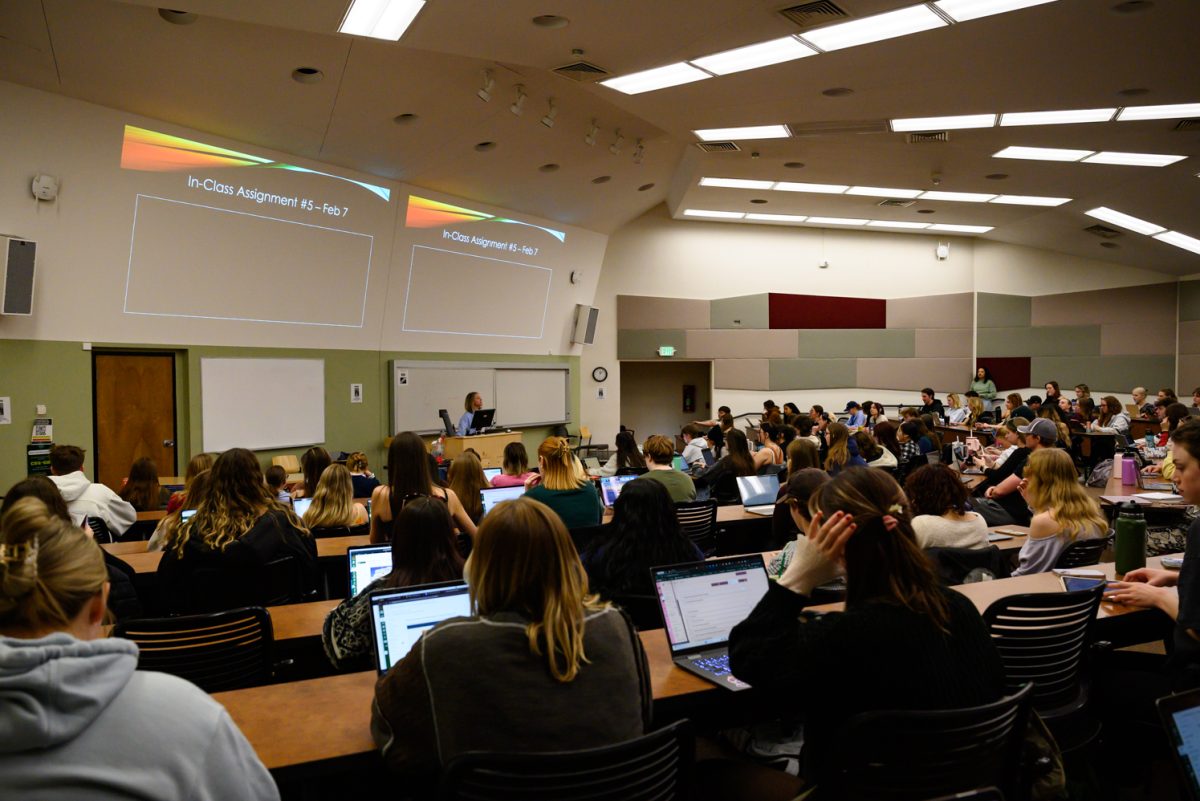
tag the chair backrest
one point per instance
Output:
(585, 432)
(1082, 553)
(100, 531)
(632, 471)
(911, 755)
(725, 491)
(322, 532)
(1042, 638)
(643, 610)
(954, 565)
(698, 522)
(651, 768)
(221, 651)
(140, 530)
(283, 583)
(288, 461)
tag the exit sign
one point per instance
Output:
(666, 350)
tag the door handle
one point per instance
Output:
(168, 443)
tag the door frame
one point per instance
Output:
(174, 399)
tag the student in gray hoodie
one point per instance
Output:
(77, 720)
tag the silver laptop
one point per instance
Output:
(367, 563)
(610, 488)
(493, 496)
(592, 464)
(300, 506)
(400, 617)
(491, 472)
(758, 493)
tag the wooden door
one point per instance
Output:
(134, 413)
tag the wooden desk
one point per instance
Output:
(171, 481)
(490, 447)
(135, 555)
(1020, 534)
(1138, 429)
(124, 548)
(1115, 488)
(157, 514)
(1094, 445)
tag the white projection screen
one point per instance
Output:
(237, 413)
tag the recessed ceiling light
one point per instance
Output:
(405, 119)
(1133, 159)
(757, 200)
(551, 167)
(657, 78)
(877, 28)
(825, 189)
(716, 215)
(895, 224)
(602, 179)
(961, 197)
(794, 165)
(1057, 117)
(777, 217)
(1030, 200)
(836, 221)
(307, 75)
(380, 19)
(736, 183)
(963, 10)
(838, 91)
(952, 123)
(1134, 224)
(1168, 112)
(996, 176)
(745, 132)
(1180, 241)
(1041, 153)
(882, 191)
(177, 17)
(644, 187)
(962, 229)
(484, 147)
(754, 56)
(550, 21)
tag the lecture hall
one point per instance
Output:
(578, 400)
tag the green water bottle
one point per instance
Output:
(1131, 538)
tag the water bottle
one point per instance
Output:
(1129, 469)
(439, 448)
(1131, 538)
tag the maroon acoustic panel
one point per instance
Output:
(1009, 372)
(818, 311)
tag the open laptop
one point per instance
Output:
(491, 472)
(300, 506)
(367, 563)
(1154, 483)
(610, 488)
(709, 459)
(700, 603)
(591, 464)
(186, 513)
(400, 617)
(1181, 718)
(491, 497)
(483, 418)
(678, 463)
(758, 493)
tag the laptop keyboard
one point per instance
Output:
(716, 665)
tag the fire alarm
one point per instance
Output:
(45, 187)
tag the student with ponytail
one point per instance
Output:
(563, 485)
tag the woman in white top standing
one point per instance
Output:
(941, 510)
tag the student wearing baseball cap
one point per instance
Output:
(857, 418)
(1002, 504)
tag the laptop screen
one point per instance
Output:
(758, 490)
(610, 488)
(592, 464)
(491, 497)
(702, 601)
(709, 459)
(367, 563)
(1181, 716)
(400, 617)
(186, 513)
(491, 472)
(300, 506)
(678, 463)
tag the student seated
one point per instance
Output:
(1000, 500)
(915, 444)
(466, 478)
(644, 533)
(541, 666)
(802, 453)
(874, 454)
(515, 467)
(424, 551)
(410, 475)
(791, 515)
(196, 465)
(142, 490)
(826, 669)
(1063, 511)
(563, 485)
(930, 404)
(1113, 417)
(333, 505)
(875, 413)
(627, 455)
(694, 444)
(769, 453)
(660, 457)
(217, 559)
(857, 418)
(941, 509)
(276, 477)
(843, 451)
(958, 413)
(721, 476)
(885, 435)
(312, 464)
(80, 721)
(364, 480)
(198, 492)
(85, 499)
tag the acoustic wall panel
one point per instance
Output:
(852, 343)
(636, 312)
(748, 311)
(944, 375)
(1189, 300)
(734, 344)
(940, 342)
(932, 311)
(1008, 372)
(1105, 373)
(1127, 304)
(1059, 340)
(741, 374)
(812, 373)
(1189, 375)
(645, 344)
(816, 311)
(1147, 337)
(1003, 311)
(1189, 336)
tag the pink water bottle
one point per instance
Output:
(1128, 471)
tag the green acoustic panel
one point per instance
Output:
(1104, 374)
(1189, 300)
(645, 344)
(944, 375)
(741, 373)
(853, 342)
(748, 311)
(1003, 311)
(1051, 340)
(812, 373)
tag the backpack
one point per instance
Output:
(1100, 474)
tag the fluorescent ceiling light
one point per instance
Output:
(963, 10)
(736, 183)
(836, 221)
(1133, 159)
(882, 191)
(953, 123)
(1041, 153)
(1030, 200)
(895, 224)
(1125, 221)
(961, 197)
(776, 217)
(754, 56)
(1172, 112)
(1180, 241)
(657, 78)
(719, 215)
(380, 19)
(746, 132)
(901, 22)
(1057, 117)
(824, 189)
(961, 229)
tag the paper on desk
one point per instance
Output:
(1159, 496)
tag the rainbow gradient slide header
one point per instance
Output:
(426, 213)
(151, 151)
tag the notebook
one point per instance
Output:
(367, 563)
(610, 488)
(1181, 719)
(700, 603)
(491, 472)
(300, 506)
(491, 497)
(758, 493)
(400, 617)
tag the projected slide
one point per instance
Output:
(226, 235)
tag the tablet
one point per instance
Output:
(1074, 583)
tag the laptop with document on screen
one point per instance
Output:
(491, 472)
(491, 497)
(400, 617)
(1181, 718)
(367, 563)
(700, 603)
(758, 493)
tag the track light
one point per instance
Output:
(590, 139)
(615, 147)
(489, 83)
(639, 152)
(518, 106)
(548, 120)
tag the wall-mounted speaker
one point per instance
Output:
(16, 276)
(584, 332)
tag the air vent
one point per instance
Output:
(718, 147)
(809, 15)
(581, 71)
(1188, 125)
(838, 127)
(1103, 231)
(895, 203)
(927, 136)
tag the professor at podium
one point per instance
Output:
(472, 404)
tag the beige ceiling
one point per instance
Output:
(229, 74)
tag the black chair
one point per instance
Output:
(911, 755)
(643, 610)
(139, 531)
(100, 531)
(582, 537)
(632, 471)
(324, 532)
(725, 491)
(655, 767)
(698, 522)
(1082, 553)
(284, 582)
(956, 565)
(220, 651)
(1043, 639)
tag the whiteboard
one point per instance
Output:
(262, 403)
(531, 397)
(420, 391)
(523, 394)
